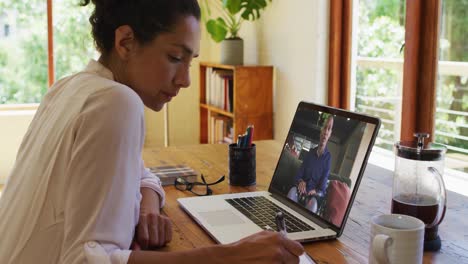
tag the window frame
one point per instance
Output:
(50, 44)
(420, 63)
(339, 53)
(420, 68)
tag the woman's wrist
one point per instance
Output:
(150, 201)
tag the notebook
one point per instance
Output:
(314, 184)
(169, 173)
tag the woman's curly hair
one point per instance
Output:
(147, 18)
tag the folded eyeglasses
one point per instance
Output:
(198, 188)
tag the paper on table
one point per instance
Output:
(305, 259)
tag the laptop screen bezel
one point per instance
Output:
(342, 113)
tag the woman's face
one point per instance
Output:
(157, 70)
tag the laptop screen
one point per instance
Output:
(321, 160)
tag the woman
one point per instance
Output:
(79, 192)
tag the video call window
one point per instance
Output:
(320, 162)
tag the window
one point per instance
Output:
(395, 74)
(24, 48)
(378, 76)
(451, 126)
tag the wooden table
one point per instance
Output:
(374, 197)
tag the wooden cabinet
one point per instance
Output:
(238, 96)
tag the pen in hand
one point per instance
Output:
(280, 224)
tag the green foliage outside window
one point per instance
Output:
(381, 35)
(23, 54)
(452, 91)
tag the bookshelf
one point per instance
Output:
(233, 97)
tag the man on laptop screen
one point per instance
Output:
(311, 179)
(323, 160)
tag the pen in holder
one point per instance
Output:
(242, 168)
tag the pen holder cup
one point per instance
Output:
(242, 168)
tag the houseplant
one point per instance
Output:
(225, 28)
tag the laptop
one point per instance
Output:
(314, 184)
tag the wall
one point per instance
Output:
(293, 37)
(13, 126)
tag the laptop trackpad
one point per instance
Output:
(221, 217)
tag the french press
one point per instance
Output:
(418, 186)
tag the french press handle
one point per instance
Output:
(443, 196)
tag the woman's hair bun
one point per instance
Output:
(147, 18)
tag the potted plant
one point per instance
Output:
(225, 28)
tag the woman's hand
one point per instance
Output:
(153, 230)
(301, 187)
(265, 247)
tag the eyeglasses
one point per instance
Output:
(198, 188)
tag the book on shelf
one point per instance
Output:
(219, 88)
(220, 128)
(208, 84)
(169, 173)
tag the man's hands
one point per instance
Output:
(153, 230)
(301, 187)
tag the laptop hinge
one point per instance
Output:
(303, 211)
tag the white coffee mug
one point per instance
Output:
(395, 239)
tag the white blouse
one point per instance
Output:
(73, 195)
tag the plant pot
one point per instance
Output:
(232, 51)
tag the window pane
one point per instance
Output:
(23, 46)
(73, 44)
(452, 85)
(379, 64)
(23, 51)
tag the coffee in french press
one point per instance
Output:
(418, 186)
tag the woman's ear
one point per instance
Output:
(125, 41)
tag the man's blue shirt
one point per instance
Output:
(315, 170)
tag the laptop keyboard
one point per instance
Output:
(263, 211)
